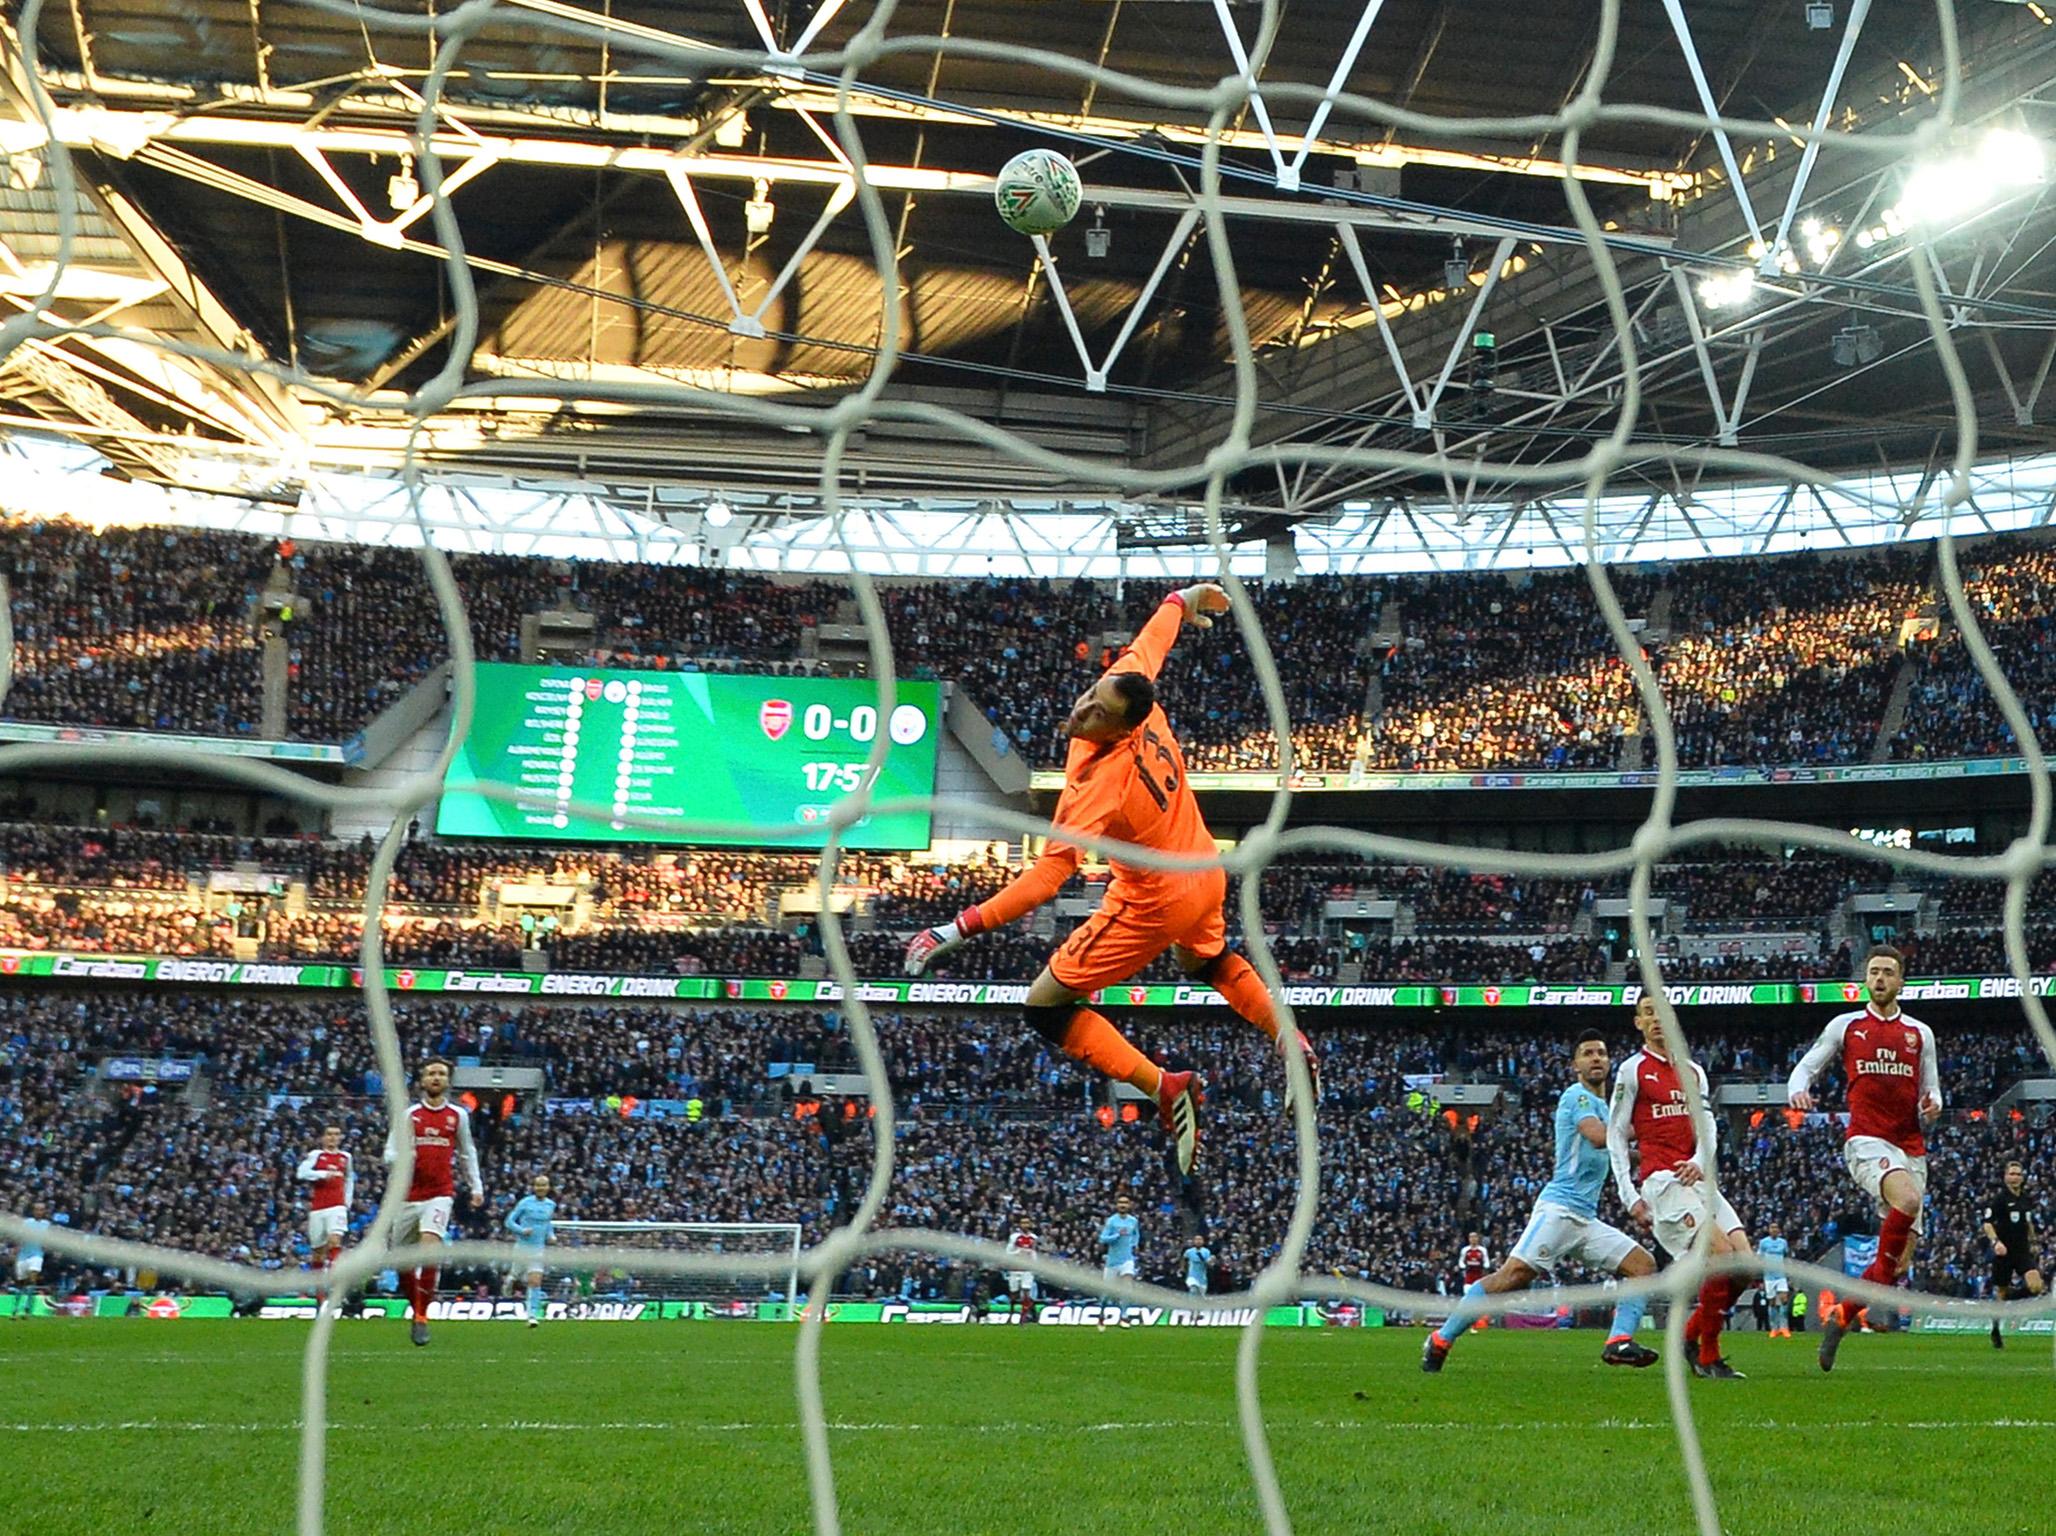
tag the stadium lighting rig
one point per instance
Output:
(1728, 289)
(1937, 195)
(2005, 161)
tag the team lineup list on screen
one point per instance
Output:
(686, 746)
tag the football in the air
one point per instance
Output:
(1037, 192)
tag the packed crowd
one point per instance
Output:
(995, 1131)
(1793, 669)
(1495, 675)
(1785, 659)
(719, 912)
(143, 628)
(1950, 712)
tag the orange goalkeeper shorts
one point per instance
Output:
(1136, 922)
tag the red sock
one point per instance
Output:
(1884, 1269)
(1714, 1297)
(1093, 1039)
(1236, 980)
(426, 1293)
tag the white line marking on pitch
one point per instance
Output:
(1119, 1426)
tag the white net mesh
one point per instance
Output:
(835, 423)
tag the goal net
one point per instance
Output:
(828, 65)
(614, 1274)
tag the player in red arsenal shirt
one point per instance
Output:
(1895, 1090)
(1475, 1260)
(442, 1139)
(1021, 1286)
(1474, 1263)
(1660, 1160)
(333, 1173)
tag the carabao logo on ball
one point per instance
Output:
(1037, 192)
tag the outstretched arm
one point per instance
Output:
(1085, 808)
(1029, 889)
(1017, 898)
(1192, 605)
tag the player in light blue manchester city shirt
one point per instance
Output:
(1777, 1287)
(1118, 1235)
(1565, 1223)
(1197, 1259)
(531, 1221)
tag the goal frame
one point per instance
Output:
(790, 1228)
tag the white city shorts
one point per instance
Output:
(1677, 1211)
(1554, 1235)
(1870, 1158)
(1118, 1271)
(1019, 1280)
(1776, 1286)
(417, 1217)
(1195, 1287)
(29, 1267)
(328, 1225)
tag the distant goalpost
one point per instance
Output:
(751, 1240)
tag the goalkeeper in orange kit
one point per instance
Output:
(1124, 777)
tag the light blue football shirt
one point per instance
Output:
(1774, 1251)
(530, 1221)
(1581, 1168)
(1118, 1236)
(1196, 1261)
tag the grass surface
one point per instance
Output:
(593, 1429)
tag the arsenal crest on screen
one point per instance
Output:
(775, 716)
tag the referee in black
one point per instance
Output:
(2016, 1247)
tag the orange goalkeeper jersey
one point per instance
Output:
(1133, 789)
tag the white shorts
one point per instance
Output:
(1554, 1234)
(1677, 1211)
(528, 1258)
(1118, 1271)
(1870, 1158)
(1776, 1288)
(1195, 1287)
(327, 1226)
(423, 1217)
(29, 1267)
(1020, 1280)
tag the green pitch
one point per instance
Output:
(590, 1429)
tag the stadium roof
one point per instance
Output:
(248, 187)
(1056, 539)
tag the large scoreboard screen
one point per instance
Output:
(686, 746)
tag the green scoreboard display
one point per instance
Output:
(686, 746)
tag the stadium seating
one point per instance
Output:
(1790, 659)
(719, 912)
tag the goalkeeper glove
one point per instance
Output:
(925, 947)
